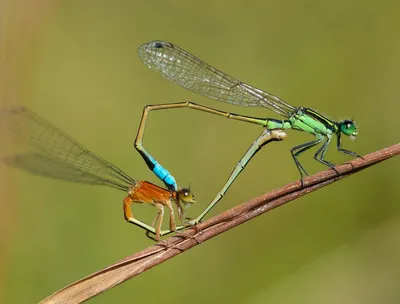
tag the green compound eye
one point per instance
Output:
(348, 128)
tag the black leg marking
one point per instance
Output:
(297, 150)
(320, 154)
(340, 149)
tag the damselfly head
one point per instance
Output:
(186, 196)
(347, 127)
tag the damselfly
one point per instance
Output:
(45, 150)
(193, 74)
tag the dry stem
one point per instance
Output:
(137, 263)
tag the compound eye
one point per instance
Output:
(348, 127)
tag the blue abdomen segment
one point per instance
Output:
(159, 171)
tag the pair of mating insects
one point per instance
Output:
(50, 152)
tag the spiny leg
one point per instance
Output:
(154, 166)
(172, 228)
(129, 217)
(159, 220)
(157, 223)
(149, 228)
(320, 154)
(302, 148)
(148, 233)
(300, 167)
(340, 149)
(182, 217)
(172, 224)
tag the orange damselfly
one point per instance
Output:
(45, 150)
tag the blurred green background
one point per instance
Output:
(75, 63)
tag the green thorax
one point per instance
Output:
(307, 120)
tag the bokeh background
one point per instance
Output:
(75, 63)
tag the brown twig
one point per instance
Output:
(135, 264)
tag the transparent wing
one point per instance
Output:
(191, 73)
(45, 150)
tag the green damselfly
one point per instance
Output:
(193, 74)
